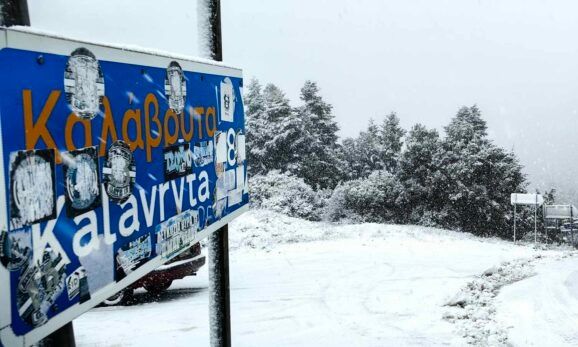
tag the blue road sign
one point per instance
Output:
(113, 162)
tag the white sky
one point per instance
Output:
(516, 59)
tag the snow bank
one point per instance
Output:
(473, 308)
(263, 229)
(542, 310)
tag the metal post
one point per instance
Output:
(14, 12)
(220, 303)
(536, 220)
(572, 225)
(514, 223)
(63, 337)
(210, 42)
(544, 222)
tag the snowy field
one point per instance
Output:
(298, 283)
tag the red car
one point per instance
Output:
(186, 264)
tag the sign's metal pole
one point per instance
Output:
(572, 225)
(536, 220)
(15, 12)
(209, 21)
(514, 223)
(220, 305)
(63, 337)
(544, 222)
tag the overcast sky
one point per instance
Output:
(517, 59)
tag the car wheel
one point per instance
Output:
(120, 298)
(158, 287)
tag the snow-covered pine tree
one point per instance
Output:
(418, 170)
(255, 126)
(320, 166)
(320, 114)
(350, 156)
(391, 139)
(286, 137)
(276, 137)
(363, 155)
(477, 177)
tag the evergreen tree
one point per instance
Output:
(418, 171)
(477, 177)
(466, 127)
(550, 197)
(375, 149)
(391, 139)
(319, 114)
(350, 156)
(320, 166)
(255, 127)
(285, 134)
(276, 136)
(365, 156)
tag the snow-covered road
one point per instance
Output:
(542, 310)
(361, 285)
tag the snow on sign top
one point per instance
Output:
(526, 199)
(113, 161)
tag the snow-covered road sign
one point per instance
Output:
(560, 211)
(526, 199)
(113, 161)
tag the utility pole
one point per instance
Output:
(210, 44)
(12, 13)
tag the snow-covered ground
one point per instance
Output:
(542, 310)
(298, 283)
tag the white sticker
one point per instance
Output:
(221, 147)
(220, 190)
(219, 208)
(235, 197)
(227, 101)
(203, 153)
(32, 183)
(176, 234)
(83, 83)
(240, 148)
(230, 179)
(240, 176)
(77, 283)
(175, 87)
(99, 265)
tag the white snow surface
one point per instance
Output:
(542, 310)
(300, 283)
